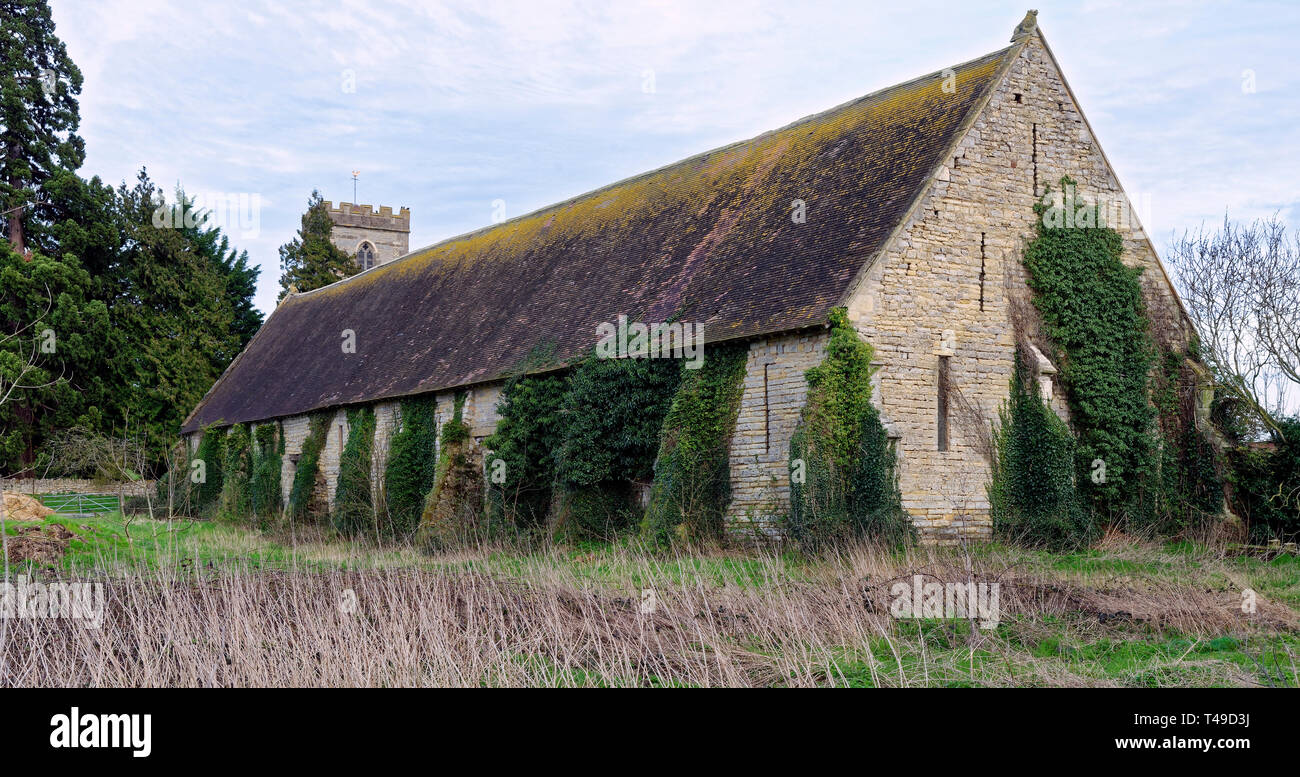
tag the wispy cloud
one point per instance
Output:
(458, 104)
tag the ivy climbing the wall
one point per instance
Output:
(304, 496)
(1266, 484)
(236, 467)
(521, 468)
(211, 453)
(354, 503)
(1092, 305)
(613, 412)
(1033, 498)
(453, 514)
(1191, 486)
(411, 468)
(692, 479)
(264, 488)
(842, 467)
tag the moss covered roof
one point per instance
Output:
(709, 239)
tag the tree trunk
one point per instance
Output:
(16, 215)
(16, 232)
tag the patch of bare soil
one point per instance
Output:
(1119, 603)
(20, 507)
(44, 545)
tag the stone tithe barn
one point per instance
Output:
(909, 207)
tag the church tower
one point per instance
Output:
(372, 237)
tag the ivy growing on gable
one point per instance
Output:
(1033, 498)
(1191, 486)
(1092, 305)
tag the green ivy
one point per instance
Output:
(843, 477)
(265, 491)
(302, 505)
(236, 468)
(1266, 484)
(354, 504)
(1033, 499)
(412, 466)
(455, 431)
(613, 412)
(1094, 313)
(454, 511)
(523, 450)
(1191, 486)
(211, 452)
(692, 485)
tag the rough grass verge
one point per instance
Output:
(217, 605)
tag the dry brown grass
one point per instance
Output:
(486, 616)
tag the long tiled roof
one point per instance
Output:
(709, 239)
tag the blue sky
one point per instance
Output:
(447, 107)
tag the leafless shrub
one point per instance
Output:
(1241, 285)
(111, 460)
(547, 623)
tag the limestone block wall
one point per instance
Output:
(1060, 142)
(444, 411)
(387, 422)
(935, 300)
(335, 438)
(773, 396)
(294, 429)
(481, 409)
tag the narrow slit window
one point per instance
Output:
(982, 271)
(767, 413)
(943, 403)
(1034, 157)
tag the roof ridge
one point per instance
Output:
(846, 105)
(441, 321)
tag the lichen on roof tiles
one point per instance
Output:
(707, 240)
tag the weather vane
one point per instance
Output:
(355, 173)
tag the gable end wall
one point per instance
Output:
(975, 220)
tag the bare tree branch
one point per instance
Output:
(1241, 285)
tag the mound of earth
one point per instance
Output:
(40, 544)
(20, 507)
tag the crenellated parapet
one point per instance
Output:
(373, 236)
(365, 216)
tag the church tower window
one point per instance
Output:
(366, 255)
